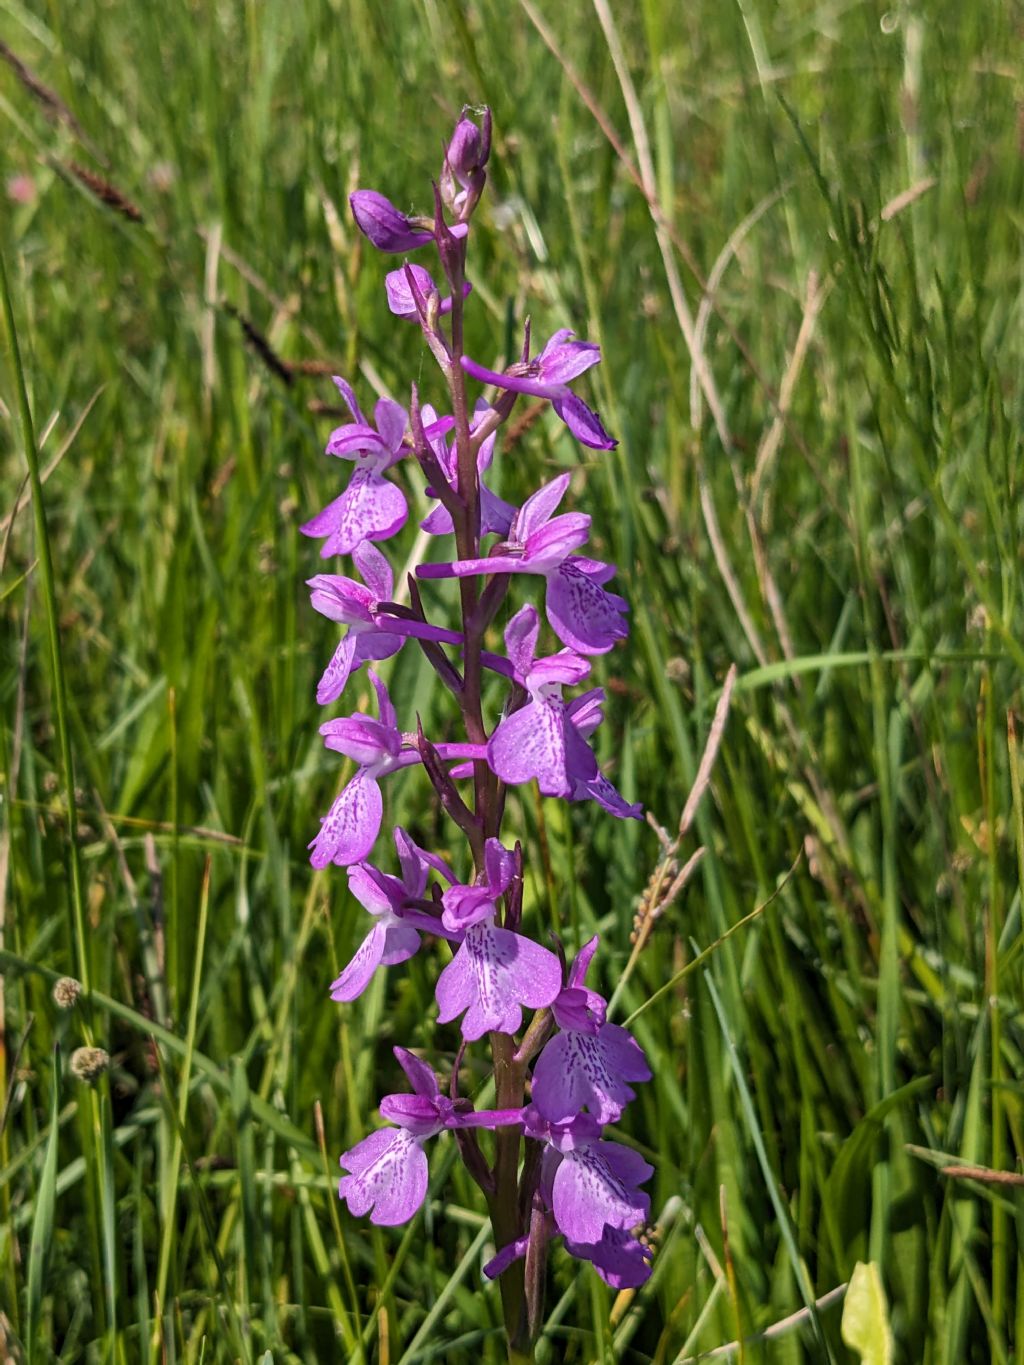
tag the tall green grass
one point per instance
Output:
(796, 232)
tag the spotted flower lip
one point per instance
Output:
(588, 1064)
(495, 971)
(548, 376)
(541, 739)
(591, 1183)
(492, 976)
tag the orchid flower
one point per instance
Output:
(395, 936)
(495, 971)
(387, 1171)
(579, 610)
(371, 508)
(588, 1064)
(548, 376)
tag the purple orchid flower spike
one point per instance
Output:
(395, 936)
(402, 300)
(341, 599)
(581, 613)
(496, 515)
(548, 376)
(495, 972)
(572, 1183)
(387, 1171)
(590, 1184)
(588, 1064)
(371, 508)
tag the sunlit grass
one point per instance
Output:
(794, 230)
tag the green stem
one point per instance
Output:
(100, 1161)
(504, 1204)
(58, 678)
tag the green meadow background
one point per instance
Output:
(796, 231)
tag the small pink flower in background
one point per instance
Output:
(21, 189)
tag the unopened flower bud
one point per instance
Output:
(386, 227)
(66, 991)
(463, 176)
(89, 1063)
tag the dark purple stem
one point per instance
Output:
(500, 1183)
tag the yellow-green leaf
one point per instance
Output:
(865, 1325)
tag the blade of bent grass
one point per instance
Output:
(42, 1222)
(171, 1175)
(102, 1164)
(58, 679)
(781, 1212)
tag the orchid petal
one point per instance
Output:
(336, 674)
(494, 973)
(360, 738)
(521, 636)
(531, 743)
(415, 1113)
(352, 440)
(620, 1260)
(420, 1073)
(375, 570)
(351, 402)
(548, 546)
(592, 1189)
(583, 422)
(371, 508)
(391, 419)
(375, 891)
(566, 360)
(581, 613)
(540, 507)
(387, 227)
(388, 1174)
(355, 978)
(350, 828)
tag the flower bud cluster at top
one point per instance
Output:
(575, 1066)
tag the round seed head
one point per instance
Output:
(89, 1063)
